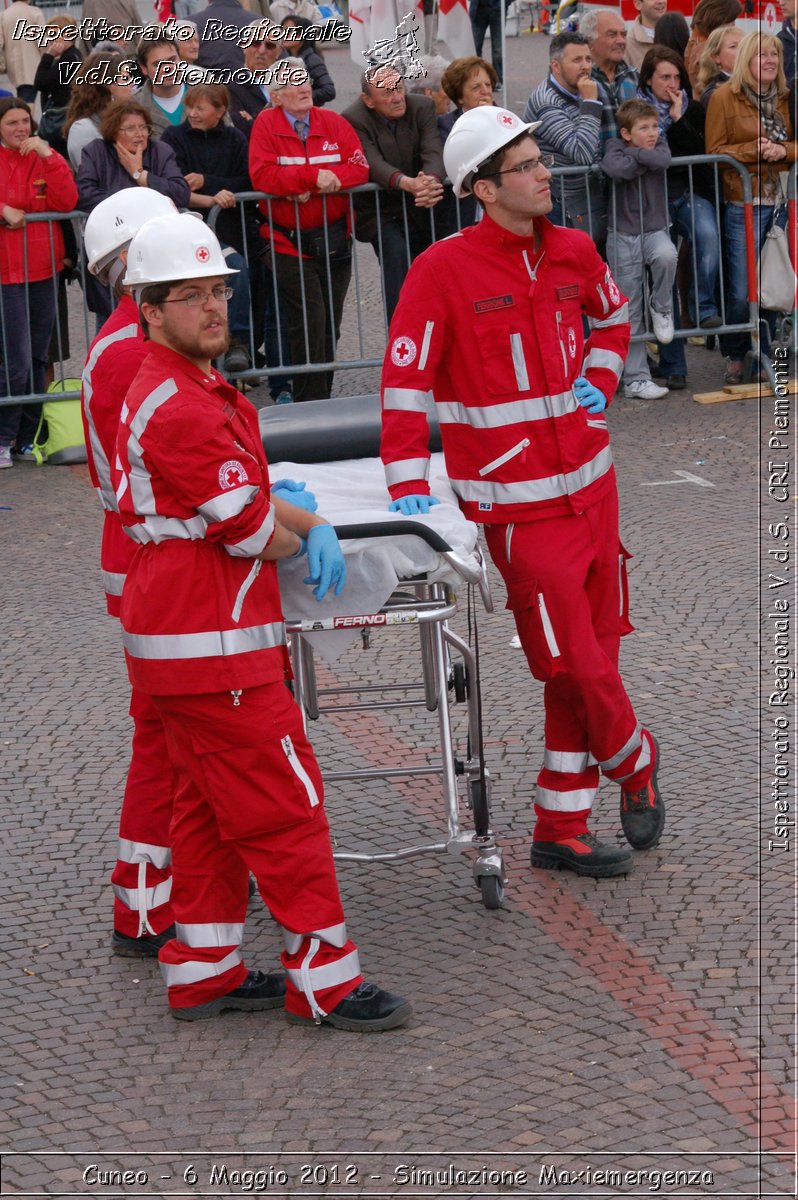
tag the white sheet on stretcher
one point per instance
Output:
(353, 491)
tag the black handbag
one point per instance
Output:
(51, 123)
(335, 247)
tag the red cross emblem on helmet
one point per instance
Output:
(202, 254)
(507, 119)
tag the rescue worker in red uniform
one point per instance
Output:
(205, 640)
(141, 879)
(490, 322)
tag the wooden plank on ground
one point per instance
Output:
(743, 391)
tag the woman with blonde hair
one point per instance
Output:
(717, 60)
(749, 119)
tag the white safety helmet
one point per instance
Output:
(115, 221)
(475, 137)
(174, 247)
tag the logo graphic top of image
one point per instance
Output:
(400, 52)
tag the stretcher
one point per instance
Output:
(403, 577)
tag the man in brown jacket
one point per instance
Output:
(400, 139)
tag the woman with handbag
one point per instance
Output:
(52, 80)
(749, 119)
(33, 179)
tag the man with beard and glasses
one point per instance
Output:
(205, 640)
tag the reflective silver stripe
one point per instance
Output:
(428, 329)
(568, 762)
(330, 974)
(548, 629)
(604, 301)
(597, 424)
(643, 759)
(513, 452)
(335, 935)
(514, 412)
(213, 644)
(153, 897)
(574, 801)
(619, 317)
(113, 582)
(228, 504)
(101, 464)
(531, 490)
(215, 933)
(604, 358)
(519, 362)
(139, 477)
(634, 741)
(136, 852)
(252, 575)
(317, 158)
(250, 546)
(406, 400)
(175, 974)
(159, 529)
(620, 585)
(406, 469)
(299, 771)
(508, 537)
(286, 160)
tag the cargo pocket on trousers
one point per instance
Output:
(625, 625)
(527, 603)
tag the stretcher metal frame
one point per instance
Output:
(447, 662)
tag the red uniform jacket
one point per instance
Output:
(199, 612)
(112, 364)
(282, 164)
(491, 330)
(36, 185)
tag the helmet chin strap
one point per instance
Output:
(116, 269)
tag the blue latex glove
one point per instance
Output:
(294, 493)
(411, 506)
(591, 398)
(325, 561)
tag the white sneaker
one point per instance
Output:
(5, 457)
(644, 389)
(662, 325)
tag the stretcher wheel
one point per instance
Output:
(460, 682)
(492, 890)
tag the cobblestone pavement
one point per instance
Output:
(634, 1025)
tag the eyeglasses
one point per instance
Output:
(195, 299)
(529, 164)
(134, 129)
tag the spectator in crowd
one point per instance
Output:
(487, 15)
(280, 9)
(187, 44)
(468, 83)
(215, 49)
(33, 179)
(213, 159)
(187, 9)
(717, 60)
(248, 98)
(672, 30)
(638, 236)
(402, 145)
(50, 83)
(258, 8)
(163, 92)
(19, 58)
(308, 234)
(89, 100)
(116, 12)
(576, 120)
(786, 36)
(125, 156)
(708, 15)
(605, 32)
(749, 119)
(429, 84)
(320, 78)
(640, 37)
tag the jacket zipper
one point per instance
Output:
(519, 448)
(299, 770)
(508, 537)
(562, 347)
(245, 586)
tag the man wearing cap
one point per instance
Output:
(205, 640)
(490, 322)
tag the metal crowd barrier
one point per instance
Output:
(363, 321)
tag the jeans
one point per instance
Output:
(397, 254)
(27, 312)
(586, 211)
(704, 272)
(238, 312)
(482, 20)
(628, 257)
(737, 345)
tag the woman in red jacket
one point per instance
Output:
(33, 179)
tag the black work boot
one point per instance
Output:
(367, 1009)
(146, 946)
(643, 811)
(584, 854)
(256, 993)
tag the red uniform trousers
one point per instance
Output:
(142, 877)
(248, 797)
(566, 586)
